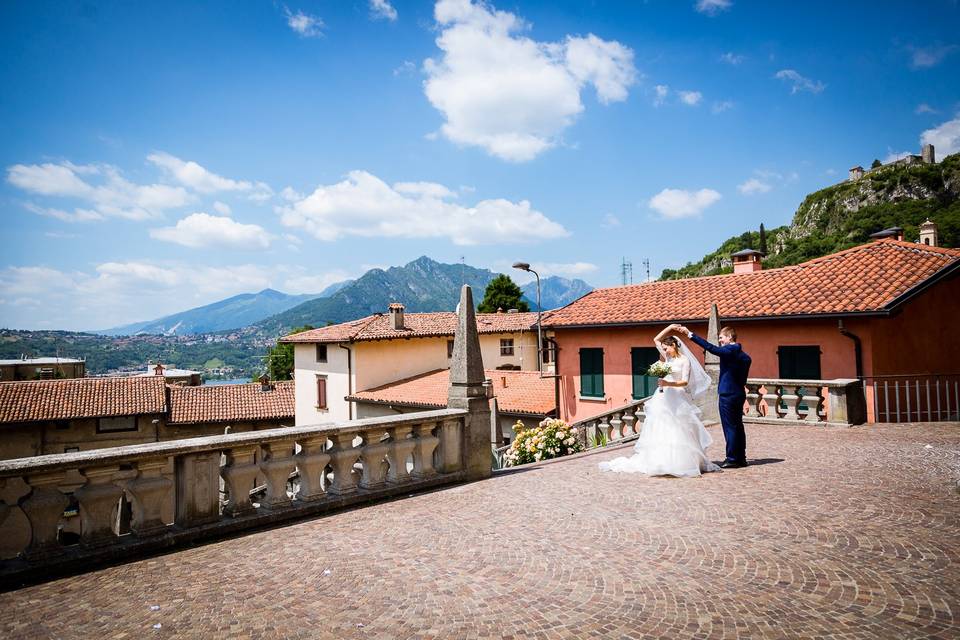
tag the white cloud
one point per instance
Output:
(798, 82)
(117, 293)
(314, 282)
(306, 25)
(944, 138)
(200, 230)
(261, 193)
(509, 94)
(931, 56)
(406, 68)
(712, 7)
(732, 58)
(382, 10)
(679, 203)
(363, 205)
(105, 190)
(567, 269)
(191, 174)
(753, 186)
(222, 208)
(78, 215)
(721, 106)
(290, 194)
(923, 107)
(661, 91)
(690, 98)
(610, 221)
(893, 156)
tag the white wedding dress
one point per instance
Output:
(673, 440)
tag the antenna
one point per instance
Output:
(463, 270)
(646, 264)
(626, 271)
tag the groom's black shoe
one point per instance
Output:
(733, 464)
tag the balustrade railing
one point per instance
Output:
(176, 488)
(915, 398)
(828, 402)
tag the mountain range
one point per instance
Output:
(421, 285)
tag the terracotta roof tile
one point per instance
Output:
(418, 325)
(523, 392)
(866, 278)
(231, 403)
(80, 398)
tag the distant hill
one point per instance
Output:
(845, 214)
(233, 313)
(422, 285)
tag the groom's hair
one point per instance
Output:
(730, 331)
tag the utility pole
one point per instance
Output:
(626, 271)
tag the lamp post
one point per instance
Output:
(524, 266)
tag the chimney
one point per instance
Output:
(747, 261)
(893, 232)
(927, 154)
(265, 383)
(928, 231)
(158, 370)
(396, 316)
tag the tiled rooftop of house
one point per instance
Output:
(520, 392)
(417, 325)
(231, 402)
(871, 277)
(832, 533)
(81, 398)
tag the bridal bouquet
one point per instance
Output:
(659, 369)
(552, 438)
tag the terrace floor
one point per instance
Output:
(833, 533)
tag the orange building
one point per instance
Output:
(885, 312)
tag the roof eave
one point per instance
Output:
(826, 316)
(917, 289)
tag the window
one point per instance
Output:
(506, 347)
(449, 348)
(591, 373)
(640, 360)
(799, 363)
(119, 423)
(548, 351)
(321, 392)
(321, 353)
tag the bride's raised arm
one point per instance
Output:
(660, 336)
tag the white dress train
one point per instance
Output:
(673, 440)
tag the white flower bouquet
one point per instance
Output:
(552, 438)
(659, 369)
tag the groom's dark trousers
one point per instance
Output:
(734, 368)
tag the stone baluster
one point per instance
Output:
(791, 397)
(401, 446)
(451, 443)
(640, 415)
(616, 424)
(239, 472)
(99, 499)
(312, 462)
(44, 508)
(753, 400)
(372, 455)
(605, 428)
(771, 396)
(277, 465)
(148, 490)
(424, 445)
(343, 456)
(629, 423)
(813, 398)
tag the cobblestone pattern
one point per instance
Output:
(837, 534)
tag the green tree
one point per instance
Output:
(763, 240)
(502, 293)
(280, 358)
(876, 163)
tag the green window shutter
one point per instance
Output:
(640, 360)
(591, 373)
(799, 363)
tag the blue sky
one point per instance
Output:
(160, 156)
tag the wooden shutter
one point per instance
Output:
(640, 360)
(321, 392)
(591, 373)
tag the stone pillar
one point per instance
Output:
(709, 402)
(197, 488)
(149, 490)
(848, 405)
(99, 499)
(467, 391)
(44, 508)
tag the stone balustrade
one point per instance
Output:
(622, 423)
(838, 402)
(336, 465)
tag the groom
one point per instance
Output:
(734, 367)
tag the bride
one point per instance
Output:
(673, 440)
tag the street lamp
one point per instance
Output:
(525, 266)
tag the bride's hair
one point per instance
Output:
(673, 342)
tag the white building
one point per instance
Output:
(334, 362)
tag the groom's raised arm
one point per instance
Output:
(712, 348)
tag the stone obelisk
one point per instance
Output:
(709, 402)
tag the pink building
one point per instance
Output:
(885, 312)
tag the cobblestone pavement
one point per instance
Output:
(831, 534)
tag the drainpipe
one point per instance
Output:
(857, 348)
(349, 379)
(555, 376)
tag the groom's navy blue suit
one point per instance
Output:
(734, 367)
